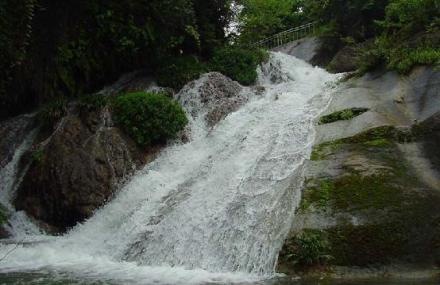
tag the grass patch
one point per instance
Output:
(343, 115)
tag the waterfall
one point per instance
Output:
(214, 209)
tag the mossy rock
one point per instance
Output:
(354, 192)
(344, 115)
(381, 137)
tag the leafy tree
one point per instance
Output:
(67, 48)
(238, 63)
(262, 18)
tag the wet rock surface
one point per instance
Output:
(77, 169)
(218, 96)
(12, 134)
(372, 186)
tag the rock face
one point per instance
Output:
(76, 169)
(304, 49)
(373, 183)
(79, 166)
(12, 134)
(345, 60)
(213, 95)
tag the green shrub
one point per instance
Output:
(403, 60)
(238, 63)
(3, 215)
(92, 102)
(308, 248)
(52, 112)
(176, 72)
(149, 118)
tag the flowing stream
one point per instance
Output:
(214, 209)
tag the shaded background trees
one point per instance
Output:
(66, 48)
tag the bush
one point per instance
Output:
(52, 112)
(309, 248)
(149, 118)
(238, 63)
(92, 102)
(403, 60)
(176, 72)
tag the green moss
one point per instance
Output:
(343, 115)
(379, 143)
(354, 192)
(376, 137)
(38, 156)
(368, 244)
(3, 215)
(323, 150)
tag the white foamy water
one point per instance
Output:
(215, 209)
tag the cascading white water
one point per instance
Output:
(215, 209)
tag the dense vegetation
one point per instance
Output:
(238, 63)
(399, 34)
(149, 118)
(51, 49)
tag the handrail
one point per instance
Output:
(287, 36)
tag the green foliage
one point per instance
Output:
(263, 18)
(368, 244)
(52, 112)
(343, 115)
(410, 16)
(38, 155)
(149, 118)
(51, 49)
(3, 215)
(92, 102)
(410, 37)
(351, 18)
(238, 63)
(307, 249)
(179, 71)
(403, 60)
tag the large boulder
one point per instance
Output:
(213, 96)
(77, 169)
(345, 60)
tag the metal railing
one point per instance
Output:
(287, 36)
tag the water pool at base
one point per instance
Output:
(61, 279)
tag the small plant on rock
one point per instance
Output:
(307, 249)
(52, 112)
